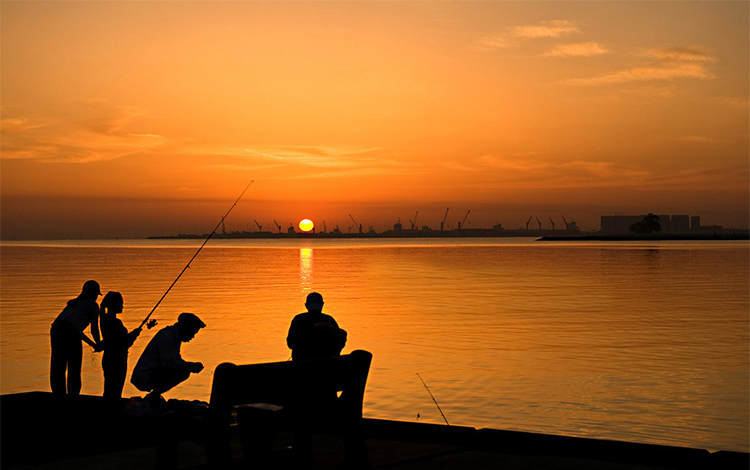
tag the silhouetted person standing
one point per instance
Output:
(66, 334)
(117, 341)
(160, 367)
(313, 334)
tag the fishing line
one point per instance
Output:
(152, 323)
(433, 399)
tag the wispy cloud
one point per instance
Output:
(576, 172)
(735, 102)
(681, 54)
(516, 34)
(708, 176)
(665, 72)
(545, 29)
(95, 132)
(18, 125)
(309, 161)
(538, 172)
(100, 117)
(584, 49)
(496, 41)
(670, 64)
(513, 163)
(318, 156)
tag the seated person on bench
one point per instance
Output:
(313, 334)
(160, 367)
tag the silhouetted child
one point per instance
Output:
(117, 341)
(313, 334)
(66, 335)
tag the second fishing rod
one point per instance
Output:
(152, 323)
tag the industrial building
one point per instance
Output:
(620, 224)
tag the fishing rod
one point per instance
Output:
(433, 398)
(152, 323)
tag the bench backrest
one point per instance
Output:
(340, 380)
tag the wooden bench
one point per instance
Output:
(322, 395)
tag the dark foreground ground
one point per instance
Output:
(38, 433)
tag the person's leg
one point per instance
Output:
(74, 359)
(58, 364)
(114, 378)
(140, 381)
(118, 382)
(163, 380)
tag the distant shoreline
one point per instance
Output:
(726, 235)
(542, 235)
(463, 233)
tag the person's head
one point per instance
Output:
(188, 325)
(90, 290)
(314, 302)
(113, 302)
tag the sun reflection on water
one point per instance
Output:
(305, 269)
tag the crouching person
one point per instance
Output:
(160, 367)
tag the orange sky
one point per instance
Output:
(132, 118)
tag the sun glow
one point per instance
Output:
(494, 109)
(306, 225)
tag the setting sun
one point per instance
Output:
(306, 225)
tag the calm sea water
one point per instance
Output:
(629, 341)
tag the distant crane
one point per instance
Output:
(277, 225)
(414, 223)
(260, 227)
(356, 224)
(462, 222)
(528, 221)
(552, 222)
(442, 224)
(324, 226)
(539, 222)
(572, 227)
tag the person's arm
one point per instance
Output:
(92, 310)
(342, 338)
(291, 337)
(130, 339)
(95, 324)
(102, 319)
(98, 347)
(169, 351)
